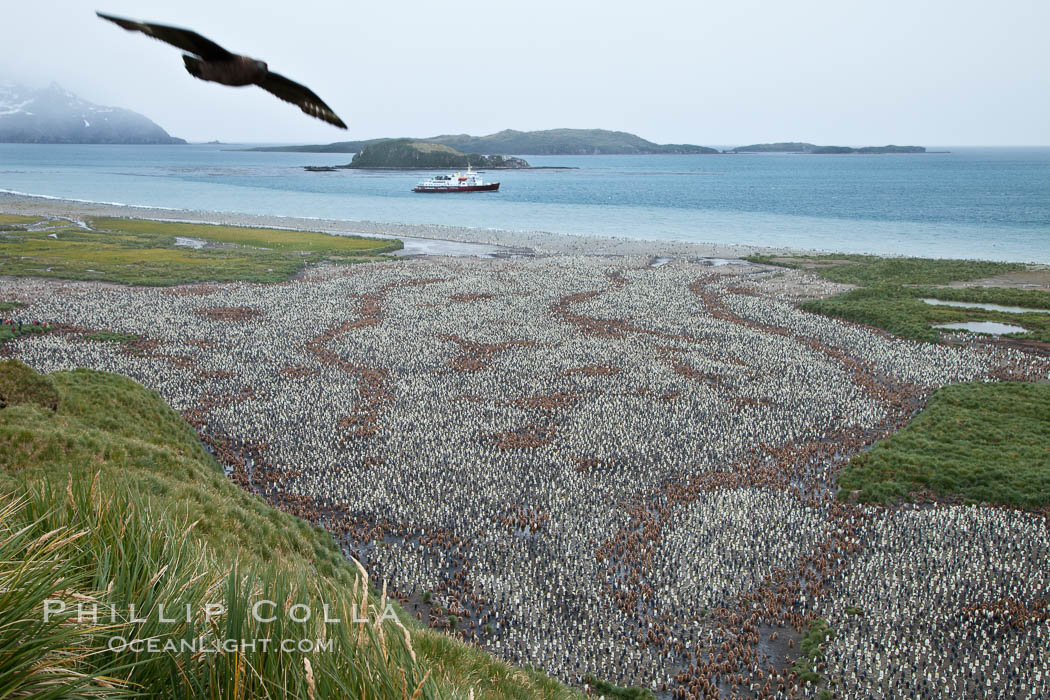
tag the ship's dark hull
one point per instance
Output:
(490, 187)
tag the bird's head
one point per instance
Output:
(261, 65)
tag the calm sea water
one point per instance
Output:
(991, 203)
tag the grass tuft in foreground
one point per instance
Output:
(93, 546)
(974, 443)
(42, 657)
(112, 500)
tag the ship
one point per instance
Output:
(469, 181)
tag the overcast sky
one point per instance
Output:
(926, 72)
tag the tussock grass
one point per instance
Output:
(975, 443)
(114, 550)
(140, 514)
(41, 657)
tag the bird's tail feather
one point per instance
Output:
(193, 65)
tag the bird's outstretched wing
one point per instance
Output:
(184, 39)
(300, 95)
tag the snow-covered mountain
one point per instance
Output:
(54, 115)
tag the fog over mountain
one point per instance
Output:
(55, 115)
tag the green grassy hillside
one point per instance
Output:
(107, 497)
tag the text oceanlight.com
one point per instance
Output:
(262, 612)
(156, 645)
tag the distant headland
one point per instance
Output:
(552, 142)
(800, 147)
(575, 142)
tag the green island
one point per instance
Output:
(405, 154)
(107, 497)
(160, 253)
(978, 442)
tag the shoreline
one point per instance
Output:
(419, 239)
(426, 239)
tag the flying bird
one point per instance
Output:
(213, 63)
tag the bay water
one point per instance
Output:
(985, 203)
